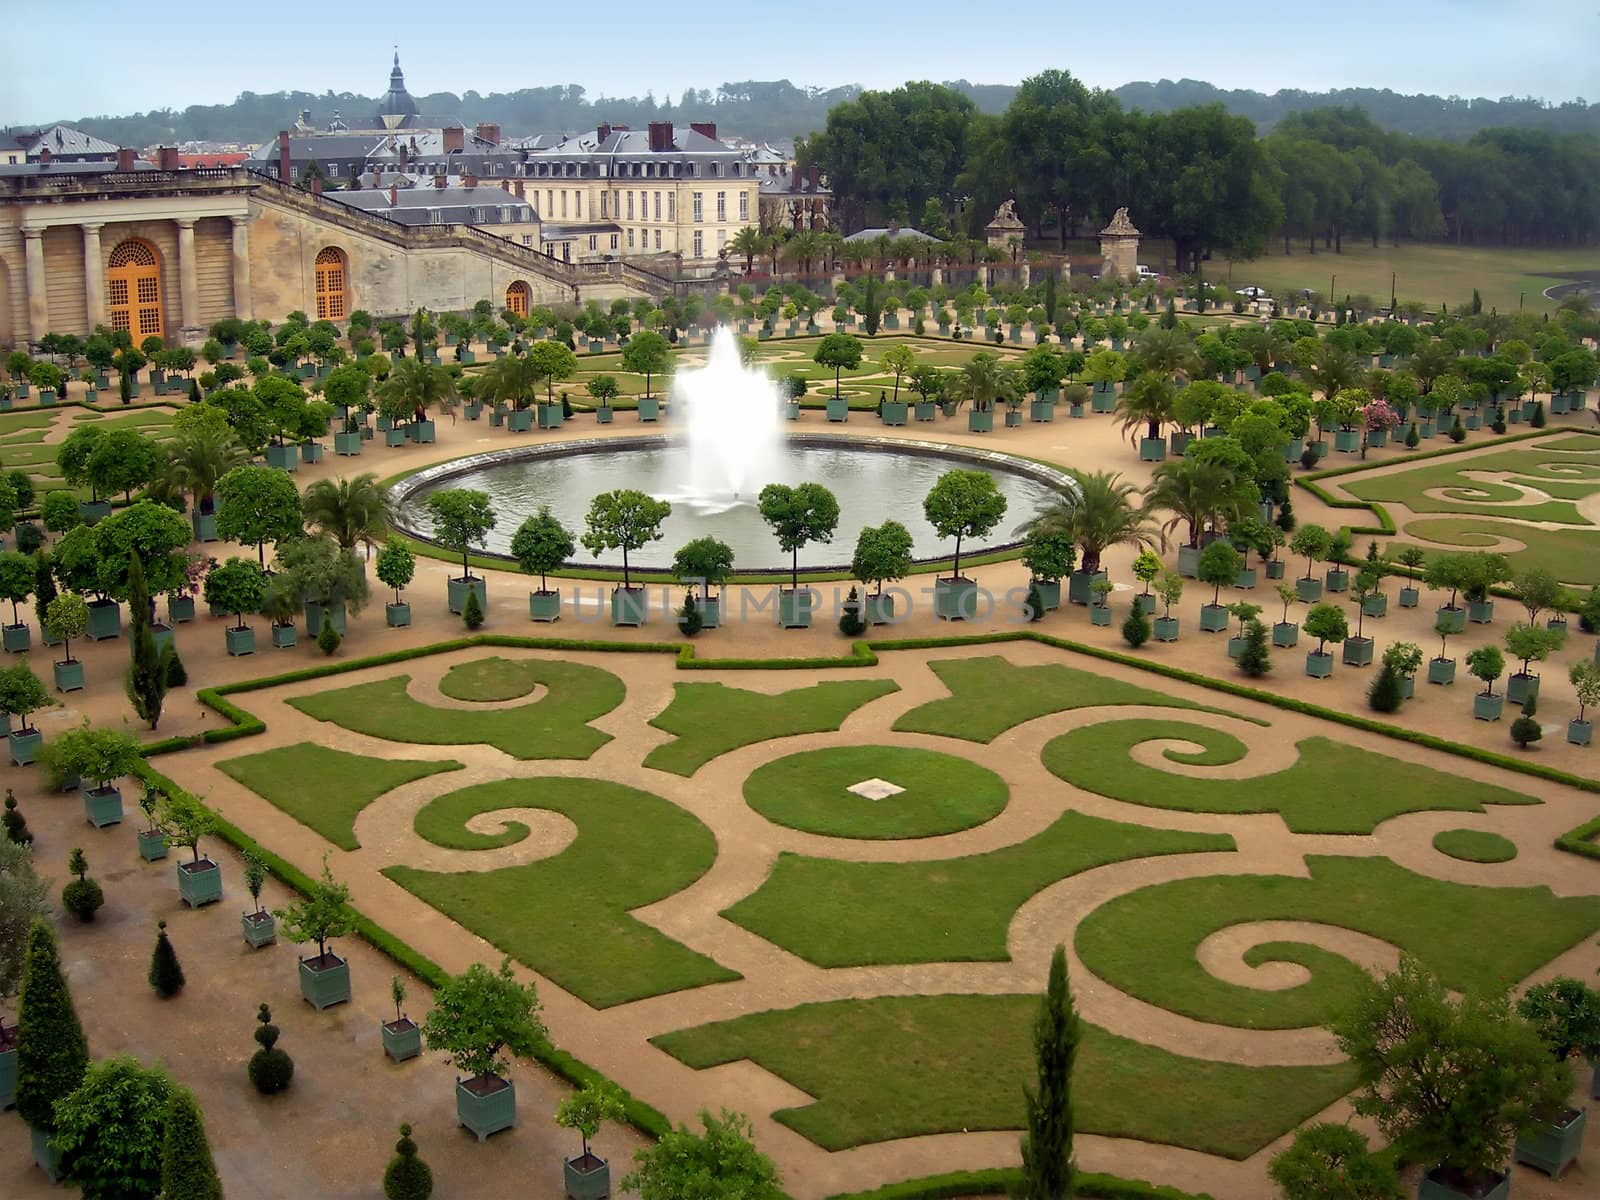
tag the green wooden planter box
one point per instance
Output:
(394, 437)
(1236, 647)
(284, 458)
(8, 1075)
(199, 883)
(1188, 561)
(323, 986)
(1080, 589)
(1347, 441)
(1441, 670)
(18, 638)
(955, 599)
(1213, 618)
(1293, 451)
(284, 637)
(397, 616)
(1487, 708)
(649, 408)
(1152, 449)
(1178, 441)
(1245, 579)
(1103, 401)
(1377, 438)
(180, 609)
(402, 1039)
(105, 620)
(1285, 634)
(1319, 666)
(259, 929)
(68, 676)
(1358, 652)
(152, 845)
(1519, 687)
(1375, 605)
(894, 412)
(1410, 597)
(710, 612)
(1166, 629)
(310, 452)
(1480, 612)
(23, 745)
(925, 410)
(102, 806)
(486, 1113)
(519, 420)
(1042, 411)
(630, 607)
(1580, 733)
(497, 416)
(45, 1156)
(544, 606)
(1337, 579)
(457, 593)
(1013, 419)
(204, 526)
(1275, 569)
(586, 1178)
(550, 416)
(241, 641)
(1049, 593)
(347, 444)
(795, 605)
(605, 415)
(838, 409)
(879, 610)
(1429, 1188)
(1454, 619)
(1146, 603)
(1099, 614)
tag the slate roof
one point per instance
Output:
(63, 141)
(867, 235)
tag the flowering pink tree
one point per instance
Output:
(1380, 416)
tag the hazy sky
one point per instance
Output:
(51, 69)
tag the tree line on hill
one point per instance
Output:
(1201, 177)
(772, 109)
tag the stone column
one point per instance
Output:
(94, 275)
(188, 281)
(38, 301)
(241, 268)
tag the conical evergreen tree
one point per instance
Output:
(52, 1053)
(1385, 695)
(407, 1176)
(16, 825)
(146, 681)
(187, 1172)
(166, 975)
(1256, 657)
(1048, 1172)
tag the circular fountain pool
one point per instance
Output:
(874, 480)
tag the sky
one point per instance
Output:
(1488, 48)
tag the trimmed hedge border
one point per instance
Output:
(1581, 840)
(999, 1181)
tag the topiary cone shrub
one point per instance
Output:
(1136, 628)
(81, 897)
(166, 973)
(472, 611)
(1525, 729)
(52, 1053)
(407, 1177)
(15, 824)
(270, 1069)
(328, 638)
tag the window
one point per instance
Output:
(550, 201)
(563, 202)
(333, 170)
(722, 238)
(658, 239)
(435, 217)
(722, 206)
(713, 170)
(330, 270)
(593, 240)
(133, 289)
(658, 206)
(671, 205)
(699, 244)
(494, 168)
(630, 206)
(744, 208)
(699, 215)
(605, 207)
(613, 241)
(630, 239)
(577, 205)
(527, 239)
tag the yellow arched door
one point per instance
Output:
(133, 290)
(517, 298)
(330, 285)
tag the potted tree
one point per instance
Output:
(67, 617)
(1358, 647)
(1482, 572)
(185, 820)
(152, 838)
(329, 581)
(1326, 623)
(281, 605)
(1219, 564)
(98, 757)
(1337, 577)
(882, 555)
(1441, 667)
(963, 504)
(475, 1017)
(543, 544)
(603, 390)
(1449, 571)
(22, 693)
(1099, 610)
(1411, 558)
(625, 519)
(237, 587)
(1565, 1012)
(1488, 664)
(1404, 659)
(587, 1176)
(1314, 543)
(396, 566)
(841, 352)
(461, 520)
(1245, 612)
(647, 353)
(798, 515)
(705, 563)
(402, 1037)
(259, 926)
(1169, 586)
(1585, 677)
(18, 575)
(319, 916)
(1530, 643)
(1146, 566)
(1286, 632)
(1049, 554)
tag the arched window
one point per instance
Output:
(330, 285)
(517, 298)
(133, 289)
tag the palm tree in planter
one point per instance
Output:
(704, 562)
(65, 618)
(396, 567)
(1097, 513)
(543, 544)
(588, 1176)
(1219, 564)
(625, 519)
(320, 915)
(1420, 1059)
(152, 838)
(1314, 543)
(259, 926)
(461, 520)
(98, 758)
(798, 515)
(1049, 554)
(1488, 664)
(1326, 623)
(352, 512)
(1566, 1014)
(475, 1017)
(185, 820)
(328, 579)
(22, 693)
(1531, 643)
(402, 1037)
(237, 587)
(1286, 632)
(963, 504)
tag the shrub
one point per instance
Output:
(52, 1054)
(1333, 1162)
(109, 1130)
(1308, 458)
(1458, 431)
(1255, 659)
(328, 638)
(270, 1069)
(1384, 695)
(472, 611)
(82, 896)
(177, 674)
(1538, 420)
(690, 622)
(16, 825)
(187, 1171)
(1499, 422)
(1413, 438)
(1525, 729)
(166, 974)
(851, 623)
(1136, 628)
(1034, 603)
(407, 1177)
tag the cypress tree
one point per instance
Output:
(407, 1176)
(1035, 603)
(1048, 1172)
(1136, 629)
(472, 611)
(52, 1053)
(187, 1172)
(147, 671)
(177, 674)
(1413, 438)
(166, 975)
(1256, 658)
(1384, 695)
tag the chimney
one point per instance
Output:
(468, 179)
(124, 159)
(316, 185)
(794, 180)
(394, 196)
(454, 139)
(167, 158)
(45, 156)
(705, 128)
(660, 135)
(516, 186)
(402, 156)
(285, 167)
(601, 132)
(440, 180)
(811, 173)
(488, 132)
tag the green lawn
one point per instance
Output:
(1332, 788)
(1565, 476)
(847, 914)
(1473, 938)
(553, 726)
(904, 1066)
(491, 680)
(991, 695)
(38, 418)
(1474, 845)
(708, 719)
(325, 789)
(567, 916)
(1571, 555)
(942, 793)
